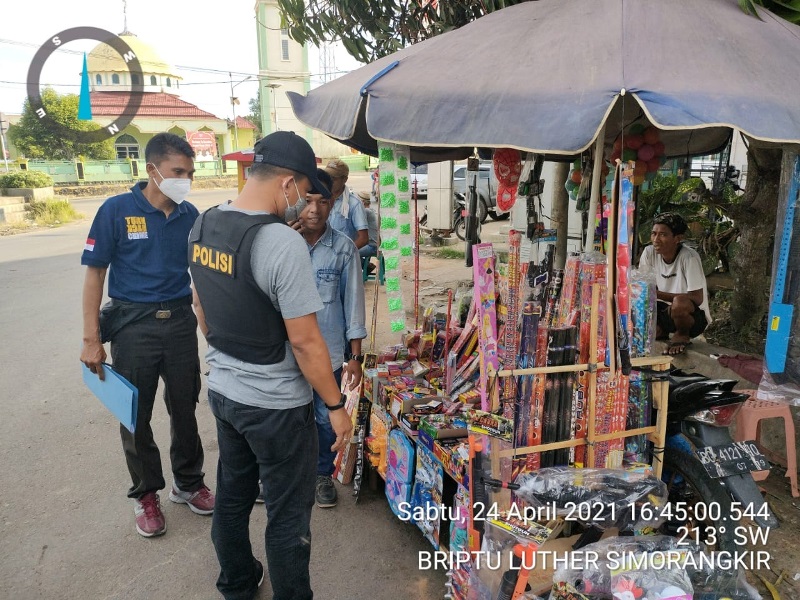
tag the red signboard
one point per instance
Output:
(204, 144)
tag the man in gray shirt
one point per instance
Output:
(256, 302)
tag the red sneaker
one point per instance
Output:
(200, 501)
(149, 518)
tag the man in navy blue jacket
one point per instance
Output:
(140, 239)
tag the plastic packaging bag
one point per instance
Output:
(600, 497)
(665, 567)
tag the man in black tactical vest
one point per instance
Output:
(256, 301)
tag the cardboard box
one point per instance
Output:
(403, 405)
(440, 427)
(409, 423)
(370, 384)
(455, 465)
(424, 438)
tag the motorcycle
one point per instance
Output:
(706, 472)
(459, 226)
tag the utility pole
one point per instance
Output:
(272, 87)
(3, 140)
(234, 102)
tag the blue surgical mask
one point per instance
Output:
(293, 212)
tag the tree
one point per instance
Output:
(371, 29)
(785, 9)
(755, 215)
(34, 139)
(255, 113)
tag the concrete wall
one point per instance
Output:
(104, 171)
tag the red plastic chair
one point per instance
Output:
(748, 427)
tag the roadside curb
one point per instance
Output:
(96, 191)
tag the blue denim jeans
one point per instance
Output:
(280, 448)
(327, 437)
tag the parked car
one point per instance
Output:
(419, 174)
(486, 188)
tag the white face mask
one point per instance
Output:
(174, 188)
(293, 212)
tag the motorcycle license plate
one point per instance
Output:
(731, 459)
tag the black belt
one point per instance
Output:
(162, 310)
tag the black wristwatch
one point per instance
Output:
(341, 404)
(359, 357)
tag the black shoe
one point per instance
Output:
(259, 572)
(260, 497)
(326, 492)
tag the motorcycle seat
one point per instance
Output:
(693, 392)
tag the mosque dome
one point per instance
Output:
(108, 69)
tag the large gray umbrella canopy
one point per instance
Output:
(545, 76)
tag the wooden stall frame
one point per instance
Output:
(656, 433)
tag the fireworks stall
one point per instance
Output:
(527, 418)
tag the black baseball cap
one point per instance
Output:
(326, 181)
(288, 150)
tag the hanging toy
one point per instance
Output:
(574, 179)
(507, 167)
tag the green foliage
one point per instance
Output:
(447, 252)
(255, 113)
(34, 139)
(52, 212)
(26, 179)
(785, 9)
(370, 29)
(666, 194)
(709, 217)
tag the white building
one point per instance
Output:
(283, 67)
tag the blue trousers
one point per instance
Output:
(368, 250)
(327, 437)
(280, 448)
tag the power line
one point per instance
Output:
(189, 68)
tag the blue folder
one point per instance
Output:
(117, 393)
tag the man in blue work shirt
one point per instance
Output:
(347, 214)
(337, 269)
(371, 249)
(140, 237)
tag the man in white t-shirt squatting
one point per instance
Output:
(681, 282)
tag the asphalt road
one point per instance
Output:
(66, 525)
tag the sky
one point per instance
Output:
(204, 39)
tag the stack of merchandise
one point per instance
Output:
(552, 311)
(400, 470)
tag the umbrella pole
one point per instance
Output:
(597, 177)
(416, 259)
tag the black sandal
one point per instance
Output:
(680, 346)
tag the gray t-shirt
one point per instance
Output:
(282, 269)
